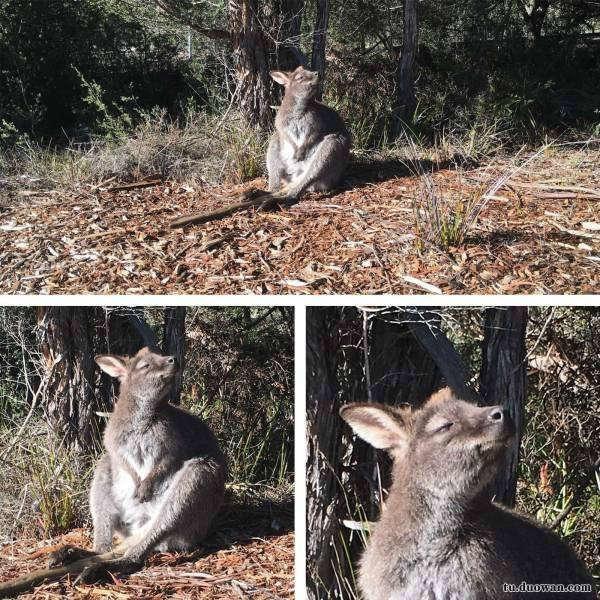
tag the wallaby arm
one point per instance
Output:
(310, 142)
(161, 469)
(130, 471)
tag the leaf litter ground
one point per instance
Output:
(539, 234)
(244, 558)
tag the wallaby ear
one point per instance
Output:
(115, 366)
(280, 77)
(377, 424)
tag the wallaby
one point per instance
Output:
(309, 148)
(161, 480)
(439, 536)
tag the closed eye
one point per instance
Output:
(143, 365)
(444, 427)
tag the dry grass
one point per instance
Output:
(202, 149)
(44, 484)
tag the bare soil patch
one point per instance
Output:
(538, 235)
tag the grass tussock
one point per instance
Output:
(445, 218)
(44, 487)
(199, 148)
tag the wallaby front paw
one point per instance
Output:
(144, 490)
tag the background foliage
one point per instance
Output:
(93, 69)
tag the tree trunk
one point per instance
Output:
(323, 423)
(405, 100)
(174, 345)
(251, 58)
(261, 35)
(425, 325)
(117, 334)
(289, 55)
(402, 373)
(504, 382)
(320, 41)
(65, 337)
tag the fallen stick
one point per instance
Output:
(132, 186)
(568, 195)
(26, 582)
(211, 244)
(558, 188)
(262, 201)
(582, 234)
(102, 183)
(572, 191)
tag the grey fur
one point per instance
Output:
(439, 536)
(161, 480)
(310, 146)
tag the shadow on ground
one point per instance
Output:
(240, 524)
(363, 172)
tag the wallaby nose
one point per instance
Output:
(496, 414)
(171, 360)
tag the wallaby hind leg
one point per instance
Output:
(274, 167)
(66, 555)
(325, 167)
(105, 515)
(187, 510)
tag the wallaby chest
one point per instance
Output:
(297, 132)
(455, 568)
(423, 580)
(133, 461)
(133, 451)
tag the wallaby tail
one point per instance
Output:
(263, 200)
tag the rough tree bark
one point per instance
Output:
(504, 382)
(261, 36)
(174, 344)
(405, 100)
(323, 423)
(251, 59)
(289, 23)
(65, 336)
(317, 62)
(400, 371)
(425, 326)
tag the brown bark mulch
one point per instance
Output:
(249, 554)
(540, 234)
(260, 568)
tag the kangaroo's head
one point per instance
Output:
(145, 378)
(448, 447)
(301, 83)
